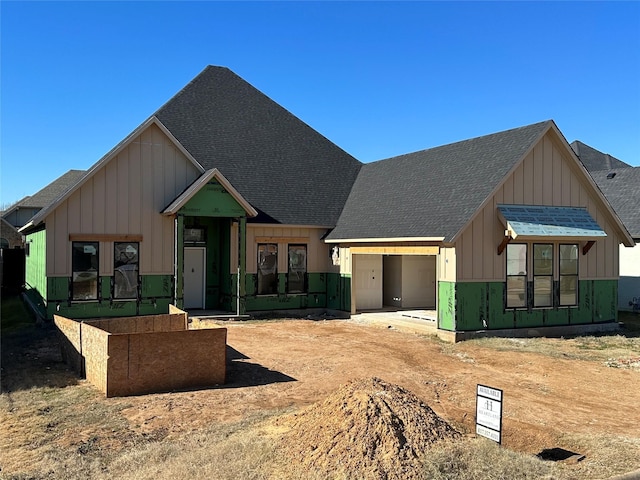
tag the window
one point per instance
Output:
(194, 235)
(516, 275)
(84, 276)
(267, 269)
(125, 270)
(568, 274)
(4, 243)
(542, 275)
(296, 277)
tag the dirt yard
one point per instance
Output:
(577, 394)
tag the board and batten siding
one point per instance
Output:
(547, 176)
(318, 260)
(125, 196)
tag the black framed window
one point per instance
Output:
(297, 274)
(568, 258)
(84, 266)
(543, 275)
(267, 269)
(125, 270)
(516, 275)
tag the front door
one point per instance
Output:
(194, 277)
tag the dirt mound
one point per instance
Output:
(366, 429)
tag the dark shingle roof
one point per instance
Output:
(623, 193)
(289, 172)
(594, 160)
(51, 192)
(431, 193)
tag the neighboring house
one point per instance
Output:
(224, 200)
(594, 160)
(621, 186)
(620, 183)
(23, 210)
(9, 235)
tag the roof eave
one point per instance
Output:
(385, 240)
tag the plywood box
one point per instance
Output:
(145, 354)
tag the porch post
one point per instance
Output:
(179, 267)
(242, 264)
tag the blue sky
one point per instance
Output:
(378, 79)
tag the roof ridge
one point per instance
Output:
(467, 140)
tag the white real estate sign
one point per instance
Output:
(489, 412)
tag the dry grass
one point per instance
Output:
(621, 349)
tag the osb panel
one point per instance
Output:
(94, 351)
(70, 329)
(165, 361)
(146, 323)
(69, 337)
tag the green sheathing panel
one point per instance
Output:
(475, 301)
(471, 305)
(36, 269)
(447, 305)
(212, 200)
(315, 298)
(497, 316)
(155, 297)
(339, 291)
(605, 296)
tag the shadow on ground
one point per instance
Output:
(241, 373)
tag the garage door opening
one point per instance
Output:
(395, 282)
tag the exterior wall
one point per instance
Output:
(125, 197)
(545, 177)
(469, 306)
(447, 265)
(144, 355)
(35, 274)
(322, 278)
(20, 216)
(629, 283)
(156, 294)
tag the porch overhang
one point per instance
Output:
(548, 223)
(182, 202)
(538, 222)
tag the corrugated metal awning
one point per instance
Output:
(538, 221)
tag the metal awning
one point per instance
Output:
(531, 222)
